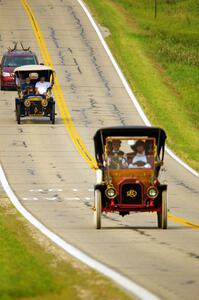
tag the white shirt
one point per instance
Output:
(140, 157)
(42, 86)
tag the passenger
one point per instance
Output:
(42, 86)
(117, 159)
(149, 149)
(116, 144)
(19, 81)
(27, 87)
(140, 158)
(109, 147)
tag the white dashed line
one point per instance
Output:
(45, 190)
(120, 279)
(71, 198)
(30, 199)
(51, 198)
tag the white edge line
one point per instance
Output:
(128, 89)
(121, 280)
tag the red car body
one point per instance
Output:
(130, 160)
(12, 60)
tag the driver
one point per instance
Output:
(42, 86)
(140, 158)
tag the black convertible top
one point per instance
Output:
(127, 131)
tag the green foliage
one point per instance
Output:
(160, 59)
(28, 271)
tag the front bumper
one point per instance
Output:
(8, 82)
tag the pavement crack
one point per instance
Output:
(53, 36)
(91, 51)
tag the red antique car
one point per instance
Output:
(129, 162)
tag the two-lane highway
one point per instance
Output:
(55, 183)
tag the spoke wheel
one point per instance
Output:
(18, 114)
(162, 216)
(52, 114)
(97, 209)
(159, 219)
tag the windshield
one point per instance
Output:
(17, 61)
(130, 153)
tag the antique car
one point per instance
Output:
(12, 59)
(28, 103)
(129, 162)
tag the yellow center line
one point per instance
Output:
(183, 221)
(78, 142)
(58, 92)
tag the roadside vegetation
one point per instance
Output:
(33, 268)
(160, 59)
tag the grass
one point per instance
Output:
(160, 59)
(33, 268)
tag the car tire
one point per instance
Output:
(159, 219)
(52, 114)
(18, 113)
(97, 209)
(162, 217)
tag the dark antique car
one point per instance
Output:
(129, 160)
(29, 103)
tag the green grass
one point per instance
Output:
(31, 271)
(160, 59)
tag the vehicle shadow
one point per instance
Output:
(143, 228)
(40, 121)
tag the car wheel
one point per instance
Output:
(18, 113)
(164, 216)
(52, 114)
(97, 209)
(159, 219)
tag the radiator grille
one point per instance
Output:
(131, 193)
(36, 107)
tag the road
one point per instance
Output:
(55, 183)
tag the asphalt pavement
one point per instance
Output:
(55, 183)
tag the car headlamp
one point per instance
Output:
(44, 102)
(6, 74)
(111, 192)
(152, 192)
(27, 103)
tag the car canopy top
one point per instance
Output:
(127, 131)
(41, 70)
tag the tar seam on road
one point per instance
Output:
(123, 281)
(79, 144)
(62, 103)
(127, 87)
(118, 278)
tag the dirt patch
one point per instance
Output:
(104, 31)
